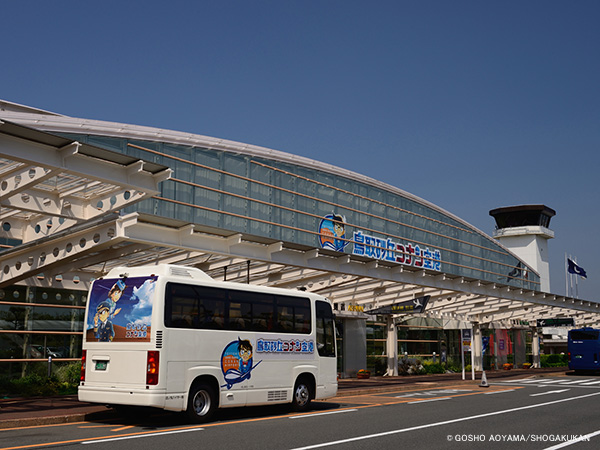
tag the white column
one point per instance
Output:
(392, 347)
(476, 347)
(535, 348)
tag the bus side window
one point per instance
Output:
(211, 302)
(239, 316)
(216, 318)
(302, 317)
(293, 314)
(325, 329)
(181, 307)
(285, 319)
(262, 316)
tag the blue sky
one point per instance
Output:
(471, 105)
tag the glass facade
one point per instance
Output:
(37, 323)
(292, 203)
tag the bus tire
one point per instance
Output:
(202, 403)
(302, 395)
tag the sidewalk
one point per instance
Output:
(23, 412)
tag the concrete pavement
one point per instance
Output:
(23, 412)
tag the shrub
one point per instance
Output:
(403, 366)
(376, 364)
(554, 360)
(410, 367)
(69, 373)
(35, 385)
(431, 367)
(64, 381)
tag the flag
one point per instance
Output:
(515, 273)
(574, 268)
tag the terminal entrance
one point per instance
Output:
(73, 209)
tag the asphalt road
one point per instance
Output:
(535, 413)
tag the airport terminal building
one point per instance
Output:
(407, 278)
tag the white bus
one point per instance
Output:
(171, 337)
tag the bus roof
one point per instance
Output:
(187, 274)
(160, 269)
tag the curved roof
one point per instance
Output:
(52, 122)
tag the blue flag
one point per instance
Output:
(574, 268)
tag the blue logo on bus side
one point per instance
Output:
(236, 362)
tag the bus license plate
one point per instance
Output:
(101, 365)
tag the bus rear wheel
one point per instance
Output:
(201, 403)
(302, 395)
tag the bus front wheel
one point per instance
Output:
(302, 395)
(201, 403)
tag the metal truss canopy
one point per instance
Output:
(53, 192)
(132, 240)
(59, 201)
(49, 184)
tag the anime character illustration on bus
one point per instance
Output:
(103, 327)
(114, 295)
(236, 362)
(332, 232)
(120, 309)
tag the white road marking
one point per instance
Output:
(429, 400)
(576, 381)
(322, 414)
(521, 380)
(549, 392)
(445, 422)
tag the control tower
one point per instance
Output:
(525, 231)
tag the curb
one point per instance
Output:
(38, 421)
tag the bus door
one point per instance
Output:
(326, 344)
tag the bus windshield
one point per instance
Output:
(584, 335)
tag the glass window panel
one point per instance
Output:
(325, 193)
(260, 173)
(209, 218)
(235, 223)
(184, 193)
(51, 319)
(206, 198)
(325, 329)
(235, 204)
(260, 192)
(235, 164)
(234, 185)
(207, 177)
(177, 151)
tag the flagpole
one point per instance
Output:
(571, 278)
(566, 277)
(576, 283)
